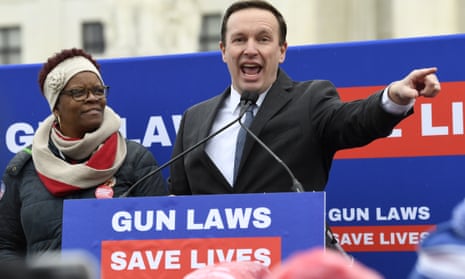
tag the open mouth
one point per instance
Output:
(251, 69)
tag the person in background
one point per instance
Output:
(230, 270)
(77, 152)
(319, 263)
(315, 263)
(442, 253)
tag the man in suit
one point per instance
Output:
(304, 123)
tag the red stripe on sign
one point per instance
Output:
(435, 129)
(381, 238)
(174, 258)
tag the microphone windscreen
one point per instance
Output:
(249, 97)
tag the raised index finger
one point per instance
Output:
(421, 73)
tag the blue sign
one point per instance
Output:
(127, 234)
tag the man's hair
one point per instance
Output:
(258, 4)
(59, 57)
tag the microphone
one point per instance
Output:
(247, 99)
(296, 185)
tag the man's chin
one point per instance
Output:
(252, 88)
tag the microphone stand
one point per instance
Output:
(297, 187)
(334, 243)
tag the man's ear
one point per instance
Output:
(223, 50)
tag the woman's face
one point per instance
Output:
(79, 117)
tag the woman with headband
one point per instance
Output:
(77, 152)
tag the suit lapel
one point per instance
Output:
(208, 116)
(278, 96)
(204, 130)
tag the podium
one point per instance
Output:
(169, 236)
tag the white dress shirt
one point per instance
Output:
(222, 147)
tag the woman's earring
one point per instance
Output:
(58, 120)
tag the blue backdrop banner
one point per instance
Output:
(381, 199)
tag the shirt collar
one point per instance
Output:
(234, 99)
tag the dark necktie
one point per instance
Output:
(247, 120)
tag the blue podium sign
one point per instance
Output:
(167, 237)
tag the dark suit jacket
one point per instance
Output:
(304, 123)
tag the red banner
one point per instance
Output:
(175, 258)
(381, 238)
(436, 128)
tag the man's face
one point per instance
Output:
(251, 49)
